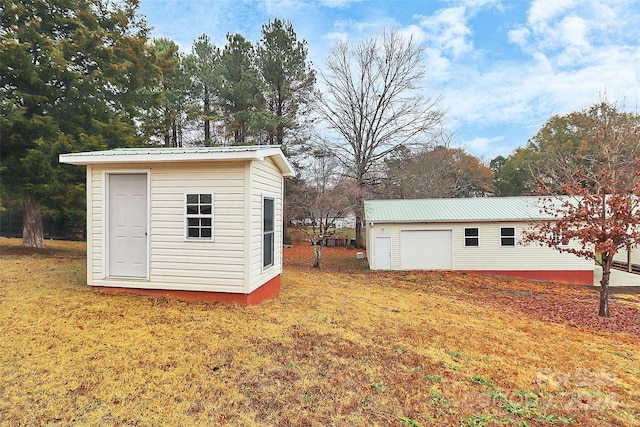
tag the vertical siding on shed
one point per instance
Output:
(266, 180)
(489, 255)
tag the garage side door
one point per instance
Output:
(425, 250)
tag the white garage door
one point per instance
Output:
(425, 250)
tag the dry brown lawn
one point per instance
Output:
(339, 346)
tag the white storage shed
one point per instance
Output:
(480, 235)
(196, 223)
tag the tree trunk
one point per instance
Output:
(207, 126)
(32, 235)
(359, 211)
(604, 288)
(285, 218)
(174, 135)
(317, 254)
(359, 239)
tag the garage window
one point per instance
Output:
(471, 237)
(558, 239)
(507, 236)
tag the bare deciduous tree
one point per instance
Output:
(321, 200)
(372, 99)
(594, 183)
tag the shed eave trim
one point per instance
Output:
(110, 157)
(87, 159)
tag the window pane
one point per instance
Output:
(268, 250)
(192, 199)
(205, 199)
(508, 241)
(471, 232)
(205, 210)
(193, 222)
(205, 222)
(471, 241)
(194, 232)
(192, 209)
(205, 232)
(507, 231)
(268, 215)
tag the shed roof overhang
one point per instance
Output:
(190, 154)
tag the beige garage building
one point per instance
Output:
(481, 235)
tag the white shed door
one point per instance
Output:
(425, 250)
(383, 253)
(127, 225)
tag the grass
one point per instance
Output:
(339, 346)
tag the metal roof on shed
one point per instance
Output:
(480, 209)
(185, 154)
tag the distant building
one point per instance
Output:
(480, 235)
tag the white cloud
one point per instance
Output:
(479, 144)
(283, 7)
(574, 31)
(364, 28)
(483, 3)
(338, 3)
(413, 31)
(336, 36)
(542, 11)
(437, 65)
(448, 30)
(519, 35)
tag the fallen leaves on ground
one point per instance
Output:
(340, 345)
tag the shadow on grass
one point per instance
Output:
(55, 249)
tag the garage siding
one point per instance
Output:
(488, 255)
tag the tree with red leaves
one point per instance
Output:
(588, 176)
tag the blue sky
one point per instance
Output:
(502, 68)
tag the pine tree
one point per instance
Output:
(70, 79)
(288, 79)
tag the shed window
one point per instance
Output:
(471, 237)
(507, 236)
(199, 216)
(268, 231)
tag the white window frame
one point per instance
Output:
(265, 233)
(557, 239)
(502, 237)
(476, 237)
(200, 216)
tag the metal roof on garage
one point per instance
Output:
(480, 209)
